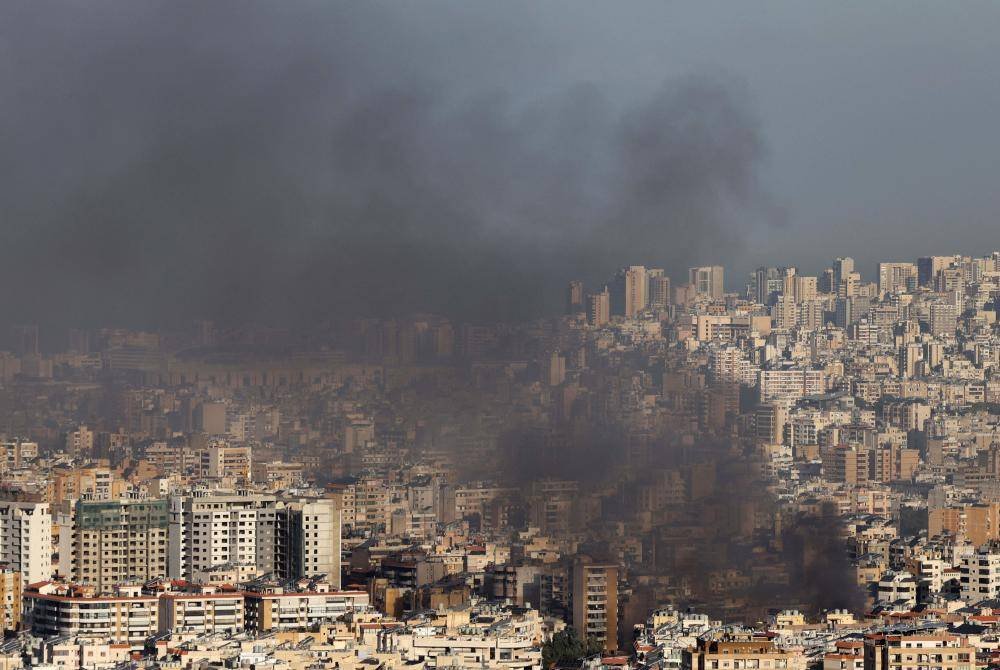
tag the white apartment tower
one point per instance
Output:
(211, 530)
(26, 539)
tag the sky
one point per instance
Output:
(296, 161)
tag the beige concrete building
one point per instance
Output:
(222, 460)
(733, 651)
(708, 280)
(209, 611)
(114, 542)
(126, 617)
(274, 609)
(595, 602)
(919, 652)
(307, 539)
(10, 600)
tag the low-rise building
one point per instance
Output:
(126, 617)
(273, 608)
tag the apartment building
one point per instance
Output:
(473, 499)
(897, 277)
(980, 576)
(10, 600)
(206, 610)
(206, 530)
(898, 588)
(707, 281)
(26, 539)
(222, 460)
(475, 637)
(790, 384)
(95, 483)
(507, 652)
(978, 523)
(736, 650)
(115, 541)
(919, 652)
(125, 617)
(272, 608)
(307, 539)
(595, 601)
(16, 454)
(847, 655)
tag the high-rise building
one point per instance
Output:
(770, 420)
(631, 291)
(307, 539)
(292, 538)
(115, 541)
(599, 308)
(942, 319)
(928, 268)
(911, 355)
(207, 530)
(784, 312)
(827, 283)
(804, 288)
(850, 287)
(574, 298)
(595, 601)
(979, 523)
(708, 280)
(26, 539)
(842, 267)
(850, 310)
(845, 464)
(812, 314)
(765, 285)
(729, 365)
(896, 277)
(659, 291)
(949, 280)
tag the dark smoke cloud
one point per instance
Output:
(267, 161)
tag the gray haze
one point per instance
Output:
(271, 160)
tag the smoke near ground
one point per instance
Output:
(713, 535)
(737, 553)
(270, 162)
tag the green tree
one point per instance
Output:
(566, 647)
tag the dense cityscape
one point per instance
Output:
(803, 473)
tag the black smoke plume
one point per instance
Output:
(291, 162)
